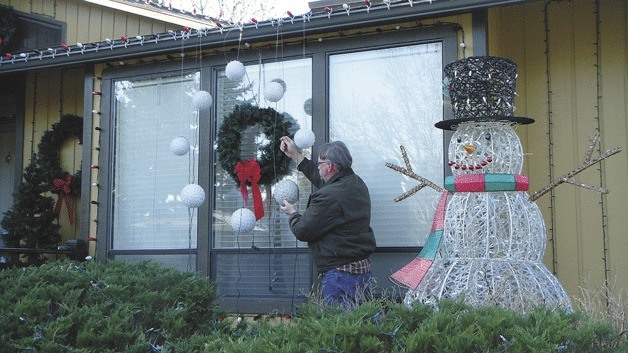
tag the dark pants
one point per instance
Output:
(345, 288)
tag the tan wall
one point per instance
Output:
(587, 232)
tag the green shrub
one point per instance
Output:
(121, 307)
(378, 327)
(113, 307)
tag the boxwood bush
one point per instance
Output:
(121, 307)
(113, 307)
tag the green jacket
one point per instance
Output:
(336, 222)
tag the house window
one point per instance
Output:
(149, 221)
(267, 262)
(381, 99)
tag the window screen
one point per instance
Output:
(382, 99)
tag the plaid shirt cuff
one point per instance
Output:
(357, 267)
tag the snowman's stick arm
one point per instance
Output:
(408, 172)
(568, 177)
(587, 186)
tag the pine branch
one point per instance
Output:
(408, 172)
(586, 163)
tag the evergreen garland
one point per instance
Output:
(273, 162)
(31, 221)
(8, 28)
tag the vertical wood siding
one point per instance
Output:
(558, 86)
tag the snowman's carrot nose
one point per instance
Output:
(469, 148)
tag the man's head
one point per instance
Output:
(332, 158)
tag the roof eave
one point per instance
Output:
(317, 22)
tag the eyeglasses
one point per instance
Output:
(321, 162)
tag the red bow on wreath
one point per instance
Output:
(62, 187)
(250, 171)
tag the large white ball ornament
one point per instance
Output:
(192, 195)
(243, 220)
(202, 100)
(282, 83)
(304, 138)
(235, 70)
(286, 190)
(274, 91)
(180, 145)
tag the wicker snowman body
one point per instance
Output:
(493, 237)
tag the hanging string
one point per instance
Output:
(192, 137)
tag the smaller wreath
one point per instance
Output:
(48, 158)
(273, 162)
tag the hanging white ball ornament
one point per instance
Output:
(180, 145)
(243, 220)
(202, 100)
(286, 190)
(304, 138)
(281, 82)
(235, 70)
(307, 106)
(274, 91)
(192, 195)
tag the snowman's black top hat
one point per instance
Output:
(482, 88)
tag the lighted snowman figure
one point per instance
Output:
(488, 238)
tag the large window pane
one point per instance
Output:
(149, 114)
(379, 100)
(272, 231)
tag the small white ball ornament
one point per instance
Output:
(180, 146)
(192, 195)
(202, 100)
(304, 138)
(243, 220)
(286, 190)
(235, 70)
(274, 91)
(307, 106)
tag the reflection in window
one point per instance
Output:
(379, 100)
(147, 213)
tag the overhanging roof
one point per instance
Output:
(318, 20)
(156, 12)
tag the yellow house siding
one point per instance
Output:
(613, 109)
(88, 22)
(563, 124)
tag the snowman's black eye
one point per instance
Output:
(459, 139)
(487, 136)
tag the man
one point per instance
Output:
(336, 222)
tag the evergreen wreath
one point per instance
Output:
(273, 162)
(49, 149)
(8, 28)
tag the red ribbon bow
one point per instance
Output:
(62, 187)
(250, 171)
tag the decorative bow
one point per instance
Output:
(62, 187)
(250, 171)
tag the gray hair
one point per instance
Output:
(337, 153)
